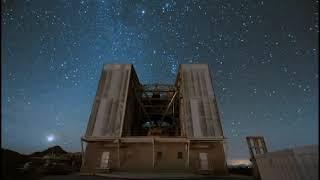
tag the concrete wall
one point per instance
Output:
(216, 157)
(139, 157)
(93, 153)
(292, 164)
(107, 114)
(169, 158)
(133, 110)
(136, 156)
(198, 107)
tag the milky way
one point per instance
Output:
(263, 57)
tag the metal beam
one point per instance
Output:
(149, 139)
(141, 104)
(144, 92)
(165, 113)
(159, 105)
(173, 109)
(156, 99)
(153, 90)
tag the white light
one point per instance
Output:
(50, 138)
(143, 11)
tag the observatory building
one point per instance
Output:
(154, 127)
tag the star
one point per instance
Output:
(50, 138)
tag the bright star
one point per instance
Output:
(50, 138)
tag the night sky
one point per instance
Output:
(263, 57)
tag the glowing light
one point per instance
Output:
(50, 138)
(239, 162)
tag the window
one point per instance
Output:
(179, 155)
(159, 155)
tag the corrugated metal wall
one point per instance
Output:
(107, 114)
(293, 164)
(198, 111)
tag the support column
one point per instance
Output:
(153, 154)
(188, 165)
(118, 149)
(186, 157)
(173, 108)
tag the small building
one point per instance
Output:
(154, 127)
(298, 163)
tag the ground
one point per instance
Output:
(79, 177)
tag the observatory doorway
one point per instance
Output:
(157, 111)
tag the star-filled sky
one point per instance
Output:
(263, 57)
